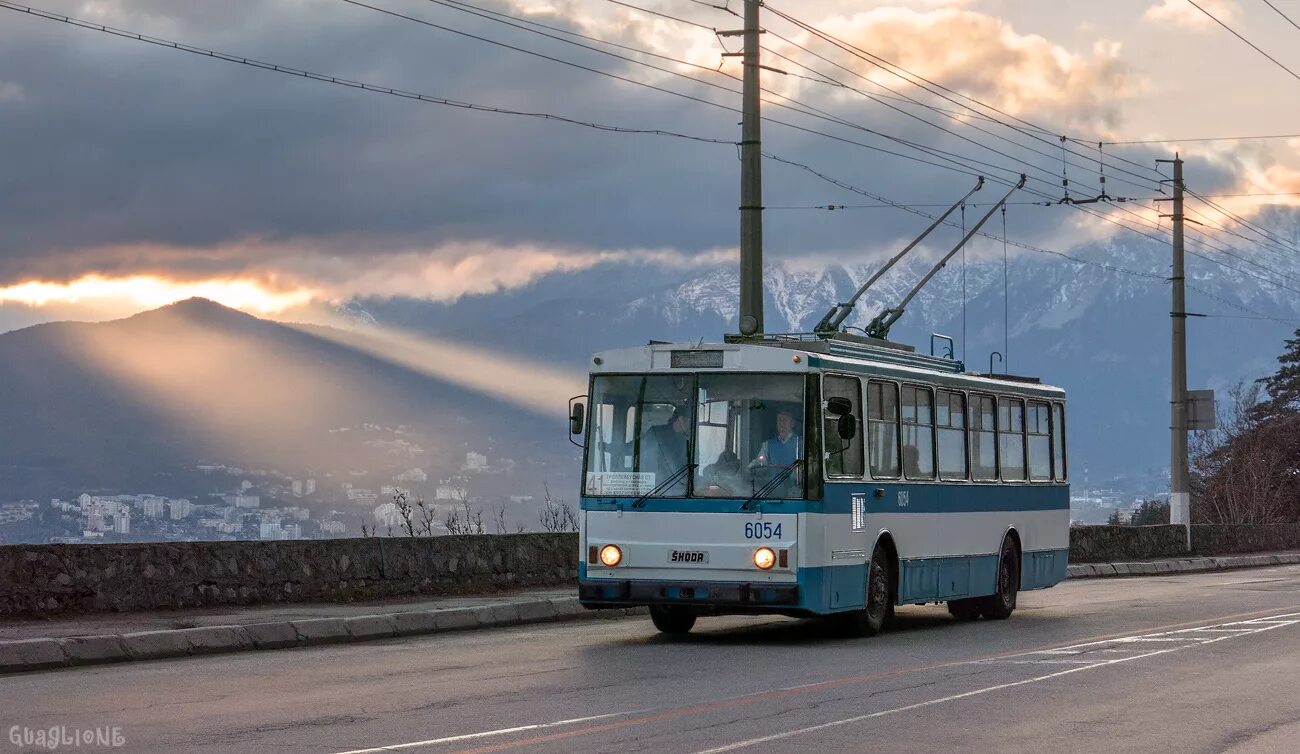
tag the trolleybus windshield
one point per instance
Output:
(739, 432)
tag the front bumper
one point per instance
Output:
(609, 593)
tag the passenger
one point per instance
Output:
(664, 448)
(785, 447)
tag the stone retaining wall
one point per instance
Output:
(37, 579)
(1104, 544)
(1230, 538)
(52, 578)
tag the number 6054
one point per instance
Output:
(762, 530)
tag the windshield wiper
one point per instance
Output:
(665, 484)
(771, 486)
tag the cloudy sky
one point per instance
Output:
(134, 175)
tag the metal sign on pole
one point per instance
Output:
(1201, 414)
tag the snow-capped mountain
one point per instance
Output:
(1096, 323)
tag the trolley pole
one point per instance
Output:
(1179, 475)
(751, 182)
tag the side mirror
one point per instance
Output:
(839, 406)
(577, 419)
(848, 426)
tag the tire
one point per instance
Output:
(964, 610)
(1000, 605)
(879, 601)
(672, 621)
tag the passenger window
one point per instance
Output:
(1011, 436)
(950, 418)
(984, 438)
(1058, 441)
(918, 433)
(1038, 428)
(882, 428)
(843, 457)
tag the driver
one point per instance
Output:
(782, 449)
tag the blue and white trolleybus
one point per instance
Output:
(830, 475)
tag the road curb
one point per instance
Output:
(26, 655)
(46, 653)
(1182, 565)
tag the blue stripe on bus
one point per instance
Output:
(835, 589)
(884, 497)
(881, 497)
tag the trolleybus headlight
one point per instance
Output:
(764, 558)
(610, 555)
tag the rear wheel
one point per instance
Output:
(671, 620)
(964, 610)
(1000, 605)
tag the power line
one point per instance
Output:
(352, 84)
(1205, 138)
(1265, 245)
(1253, 46)
(552, 58)
(516, 21)
(665, 15)
(1280, 13)
(1247, 223)
(1152, 277)
(1235, 196)
(915, 79)
(795, 106)
(726, 7)
(898, 205)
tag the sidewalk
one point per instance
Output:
(74, 640)
(62, 641)
(1181, 565)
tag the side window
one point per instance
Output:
(843, 457)
(950, 418)
(984, 438)
(882, 428)
(1038, 428)
(918, 432)
(1011, 438)
(1058, 441)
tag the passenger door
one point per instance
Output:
(842, 459)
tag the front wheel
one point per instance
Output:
(672, 621)
(1000, 605)
(879, 607)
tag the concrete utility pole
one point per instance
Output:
(751, 183)
(1179, 475)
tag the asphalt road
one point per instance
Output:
(1191, 663)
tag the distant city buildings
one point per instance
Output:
(412, 475)
(180, 509)
(243, 501)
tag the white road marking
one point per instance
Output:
(487, 733)
(919, 705)
(1264, 624)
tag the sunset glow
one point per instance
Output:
(151, 291)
